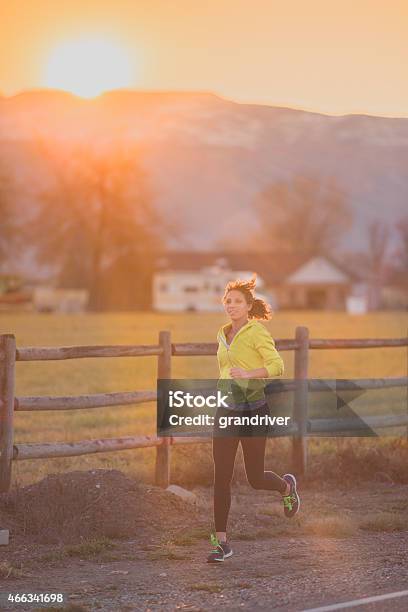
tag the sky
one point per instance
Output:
(329, 56)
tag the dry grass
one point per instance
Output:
(331, 526)
(272, 510)
(351, 460)
(89, 548)
(167, 551)
(8, 570)
(326, 527)
(384, 522)
(191, 536)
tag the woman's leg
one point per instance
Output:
(254, 457)
(224, 451)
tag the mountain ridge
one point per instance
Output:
(209, 157)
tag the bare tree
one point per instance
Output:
(98, 209)
(378, 237)
(8, 220)
(402, 250)
(305, 215)
(378, 240)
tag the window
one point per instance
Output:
(163, 287)
(190, 289)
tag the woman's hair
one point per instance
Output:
(260, 309)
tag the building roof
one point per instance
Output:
(318, 269)
(274, 267)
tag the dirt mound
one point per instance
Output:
(71, 507)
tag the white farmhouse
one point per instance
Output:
(195, 290)
(50, 299)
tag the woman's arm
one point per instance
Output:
(265, 344)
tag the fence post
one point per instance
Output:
(7, 374)
(300, 408)
(163, 451)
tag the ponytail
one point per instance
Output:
(260, 310)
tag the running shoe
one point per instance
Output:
(291, 502)
(220, 551)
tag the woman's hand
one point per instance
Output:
(238, 373)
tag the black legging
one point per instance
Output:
(224, 452)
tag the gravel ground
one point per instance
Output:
(345, 544)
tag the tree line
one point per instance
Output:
(95, 225)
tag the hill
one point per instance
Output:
(205, 154)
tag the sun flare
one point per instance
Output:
(87, 67)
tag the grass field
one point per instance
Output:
(79, 376)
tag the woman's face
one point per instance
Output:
(236, 306)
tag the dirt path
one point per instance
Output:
(346, 545)
(276, 574)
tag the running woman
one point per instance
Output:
(246, 350)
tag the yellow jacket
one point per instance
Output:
(251, 348)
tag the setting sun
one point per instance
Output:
(87, 67)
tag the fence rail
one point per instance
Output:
(164, 351)
(78, 402)
(184, 349)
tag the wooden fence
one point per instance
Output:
(164, 351)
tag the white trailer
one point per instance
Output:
(201, 290)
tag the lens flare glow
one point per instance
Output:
(87, 67)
